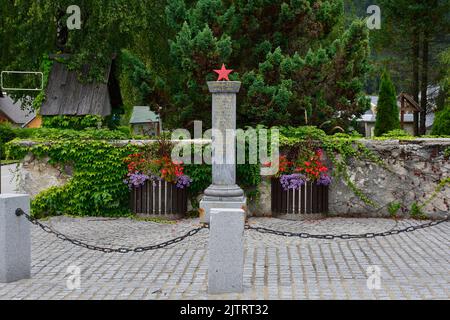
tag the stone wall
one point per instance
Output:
(35, 175)
(415, 168)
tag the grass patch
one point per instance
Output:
(416, 212)
(6, 162)
(153, 219)
(393, 209)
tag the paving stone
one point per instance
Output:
(413, 265)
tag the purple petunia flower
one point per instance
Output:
(136, 179)
(324, 180)
(183, 181)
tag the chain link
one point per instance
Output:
(194, 231)
(368, 235)
(79, 243)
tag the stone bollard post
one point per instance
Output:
(226, 251)
(15, 242)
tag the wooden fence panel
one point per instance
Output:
(310, 198)
(159, 199)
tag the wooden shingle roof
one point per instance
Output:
(65, 95)
(14, 111)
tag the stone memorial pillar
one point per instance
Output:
(15, 243)
(223, 192)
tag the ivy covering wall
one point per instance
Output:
(97, 188)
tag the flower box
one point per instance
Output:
(159, 198)
(307, 199)
(158, 184)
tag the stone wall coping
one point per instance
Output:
(417, 141)
(30, 143)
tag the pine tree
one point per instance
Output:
(441, 125)
(387, 118)
(29, 31)
(419, 29)
(297, 62)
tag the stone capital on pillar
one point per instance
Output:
(223, 192)
(224, 86)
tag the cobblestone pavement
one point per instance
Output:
(412, 265)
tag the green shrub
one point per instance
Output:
(96, 187)
(50, 134)
(6, 134)
(293, 135)
(387, 118)
(125, 129)
(396, 133)
(72, 122)
(201, 177)
(441, 125)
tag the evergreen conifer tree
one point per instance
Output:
(387, 110)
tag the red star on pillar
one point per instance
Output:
(223, 73)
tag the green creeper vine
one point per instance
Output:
(46, 66)
(447, 152)
(340, 148)
(393, 208)
(441, 185)
(72, 122)
(96, 187)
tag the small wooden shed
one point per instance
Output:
(409, 105)
(145, 122)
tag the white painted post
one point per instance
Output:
(15, 242)
(226, 251)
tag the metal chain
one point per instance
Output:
(79, 243)
(194, 231)
(345, 236)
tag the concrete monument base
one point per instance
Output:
(226, 251)
(209, 203)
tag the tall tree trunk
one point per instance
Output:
(424, 82)
(415, 78)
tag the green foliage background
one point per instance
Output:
(296, 62)
(441, 124)
(96, 187)
(72, 122)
